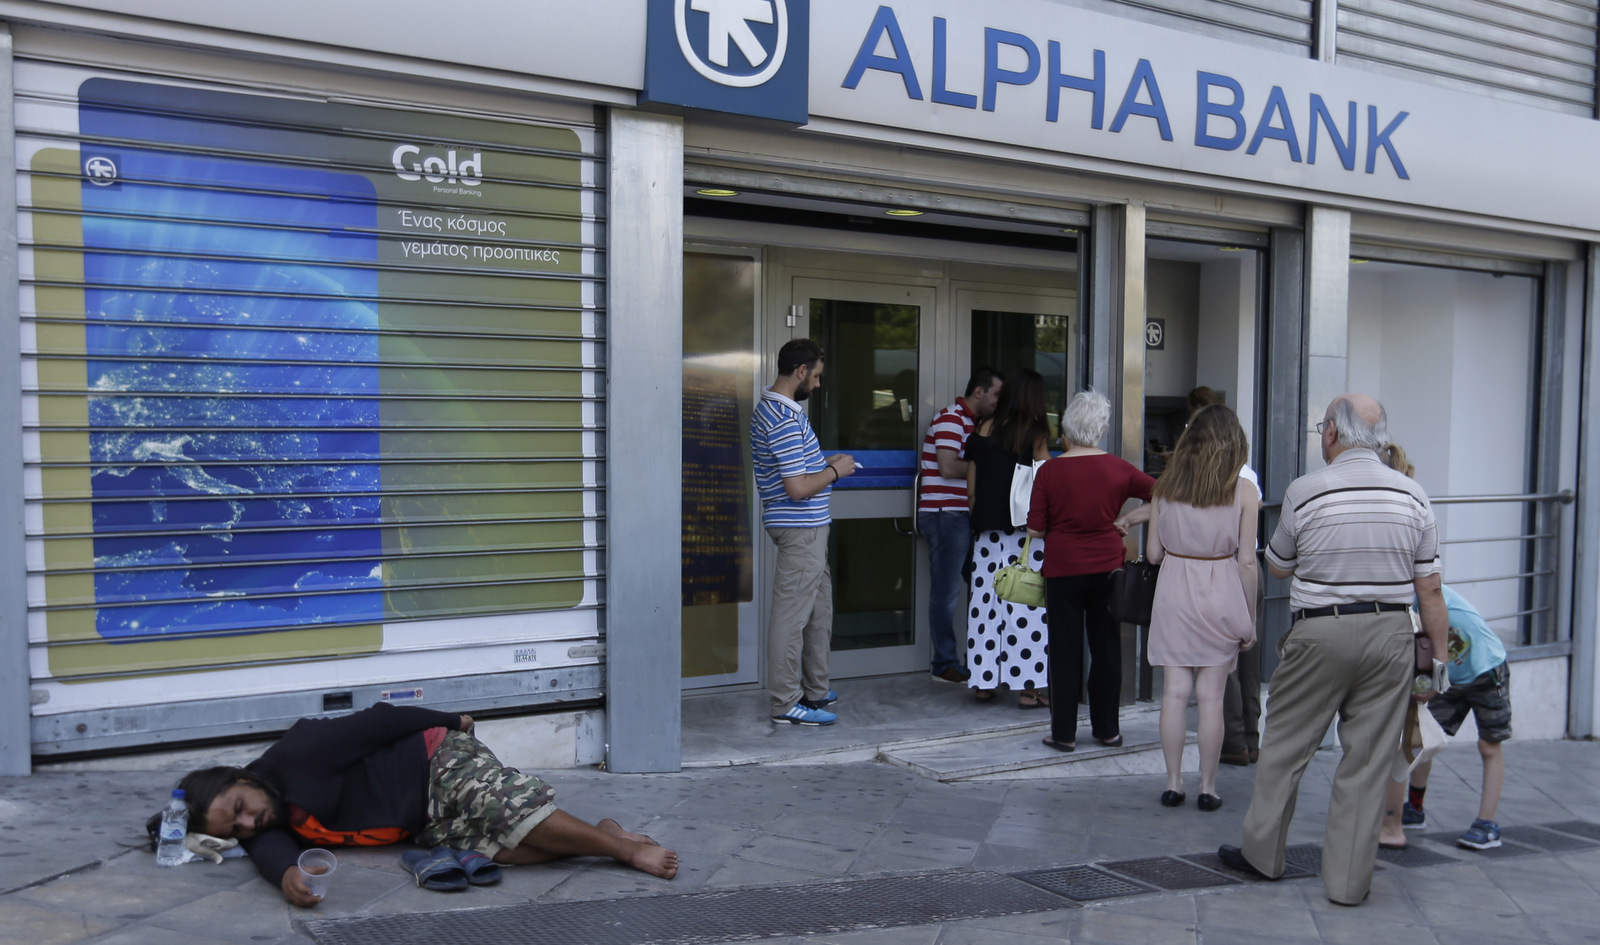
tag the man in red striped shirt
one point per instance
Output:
(942, 514)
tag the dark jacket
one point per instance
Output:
(356, 772)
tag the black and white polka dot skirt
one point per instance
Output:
(1005, 642)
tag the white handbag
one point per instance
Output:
(1022, 491)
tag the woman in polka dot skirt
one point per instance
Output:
(1005, 642)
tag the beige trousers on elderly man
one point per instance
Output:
(1357, 668)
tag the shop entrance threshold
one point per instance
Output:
(926, 725)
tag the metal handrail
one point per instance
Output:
(1565, 497)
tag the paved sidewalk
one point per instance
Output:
(64, 879)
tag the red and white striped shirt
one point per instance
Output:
(948, 431)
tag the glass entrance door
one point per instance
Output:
(874, 336)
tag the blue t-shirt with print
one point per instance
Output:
(1474, 648)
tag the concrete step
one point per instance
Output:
(1019, 754)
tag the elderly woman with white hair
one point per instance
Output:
(1076, 498)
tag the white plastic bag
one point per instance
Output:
(1022, 491)
(1419, 742)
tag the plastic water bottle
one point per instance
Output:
(174, 824)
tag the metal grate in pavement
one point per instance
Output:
(1580, 828)
(1414, 855)
(1082, 883)
(1214, 863)
(1546, 839)
(709, 917)
(1303, 856)
(1165, 872)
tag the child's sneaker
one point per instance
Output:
(1411, 818)
(1482, 835)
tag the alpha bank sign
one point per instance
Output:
(747, 57)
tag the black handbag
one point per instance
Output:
(1133, 591)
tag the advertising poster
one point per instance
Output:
(313, 381)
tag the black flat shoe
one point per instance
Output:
(1208, 802)
(1114, 741)
(1173, 798)
(1233, 858)
(1060, 746)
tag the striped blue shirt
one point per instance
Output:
(782, 446)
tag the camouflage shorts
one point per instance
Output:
(1488, 698)
(476, 803)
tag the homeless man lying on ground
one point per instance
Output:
(391, 773)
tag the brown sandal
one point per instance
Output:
(1033, 699)
(983, 695)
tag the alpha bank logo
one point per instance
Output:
(730, 25)
(748, 57)
(100, 170)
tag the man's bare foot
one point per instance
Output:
(615, 829)
(655, 860)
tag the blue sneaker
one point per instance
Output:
(1411, 818)
(800, 714)
(1482, 835)
(828, 699)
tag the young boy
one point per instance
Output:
(1479, 681)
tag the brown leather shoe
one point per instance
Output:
(1240, 758)
(954, 674)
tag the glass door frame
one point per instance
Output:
(797, 288)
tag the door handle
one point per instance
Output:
(911, 532)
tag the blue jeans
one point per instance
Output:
(949, 537)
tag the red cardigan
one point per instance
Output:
(1075, 500)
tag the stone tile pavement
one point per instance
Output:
(64, 878)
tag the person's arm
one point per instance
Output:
(1435, 618)
(1249, 575)
(972, 486)
(1138, 515)
(274, 853)
(951, 465)
(806, 485)
(1154, 551)
(1041, 449)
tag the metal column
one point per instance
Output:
(15, 737)
(644, 442)
(1116, 323)
(1581, 715)
(1327, 307)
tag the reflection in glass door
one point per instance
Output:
(867, 407)
(1013, 330)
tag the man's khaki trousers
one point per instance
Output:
(800, 626)
(1357, 668)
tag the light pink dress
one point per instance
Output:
(1200, 615)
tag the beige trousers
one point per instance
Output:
(800, 625)
(1357, 668)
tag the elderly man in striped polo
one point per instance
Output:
(1358, 540)
(795, 482)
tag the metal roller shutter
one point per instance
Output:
(312, 404)
(1535, 52)
(1282, 25)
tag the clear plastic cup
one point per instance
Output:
(316, 867)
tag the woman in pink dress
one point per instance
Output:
(1203, 534)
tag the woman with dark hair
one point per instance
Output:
(1076, 498)
(1203, 526)
(1005, 642)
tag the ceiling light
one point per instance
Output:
(717, 192)
(900, 212)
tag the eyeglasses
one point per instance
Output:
(1323, 427)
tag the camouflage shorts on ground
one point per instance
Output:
(476, 803)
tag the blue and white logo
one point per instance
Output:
(747, 57)
(100, 170)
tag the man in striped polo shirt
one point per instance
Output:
(942, 515)
(1358, 540)
(794, 481)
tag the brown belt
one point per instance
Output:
(1198, 558)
